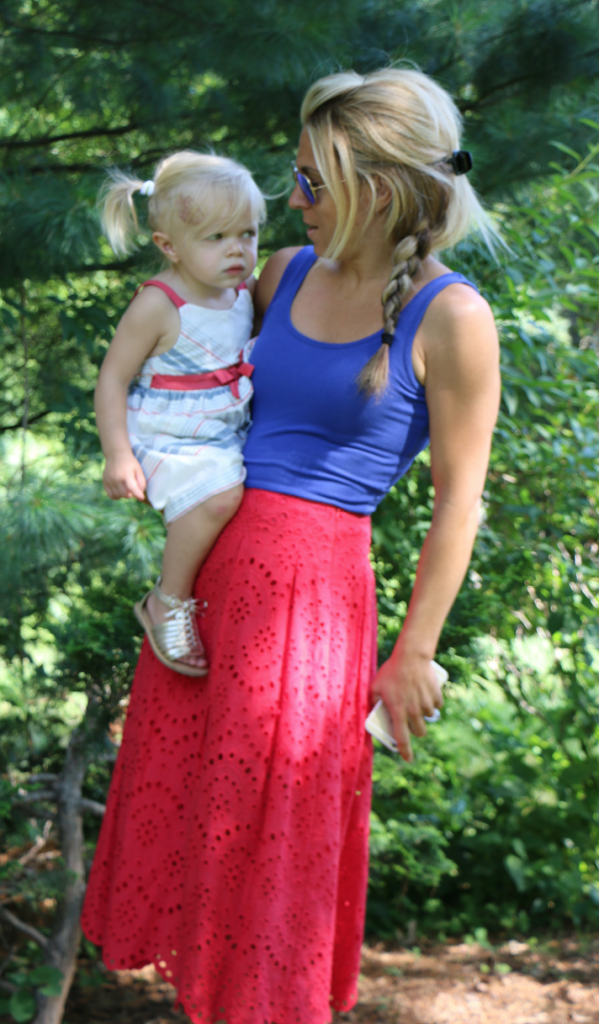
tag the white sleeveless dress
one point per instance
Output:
(189, 441)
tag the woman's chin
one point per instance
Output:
(314, 241)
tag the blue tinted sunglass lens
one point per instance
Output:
(305, 186)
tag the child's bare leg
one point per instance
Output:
(188, 541)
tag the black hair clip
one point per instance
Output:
(461, 161)
(387, 339)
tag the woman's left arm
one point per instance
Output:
(460, 355)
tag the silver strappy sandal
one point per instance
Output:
(176, 637)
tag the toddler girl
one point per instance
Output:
(174, 389)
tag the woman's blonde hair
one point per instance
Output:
(399, 128)
(198, 189)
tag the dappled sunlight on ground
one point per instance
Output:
(556, 983)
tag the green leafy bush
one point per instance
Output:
(509, 779)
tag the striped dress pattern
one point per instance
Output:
(189, 442)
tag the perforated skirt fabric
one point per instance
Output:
(234, 851)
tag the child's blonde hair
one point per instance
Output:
(189, 188)
(399, 128)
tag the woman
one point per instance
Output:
(234, 851)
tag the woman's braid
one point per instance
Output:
(405, 265)
(407, 257)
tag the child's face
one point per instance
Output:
(219, 260)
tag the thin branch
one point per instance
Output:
(19, 424)
(6, 985)
(92, 806)
(35, 105)
(49, 140)
(29, 28)
(481, 100)
(6, 963)
(43, 811)
(32, 798)
(54, 169)
(41, 776)
(39, 844)
(27, 929)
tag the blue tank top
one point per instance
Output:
(315, 435)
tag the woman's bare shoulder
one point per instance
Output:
(459, 310)
(271, 274)
(459, 336)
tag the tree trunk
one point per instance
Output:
(62, 946)
(25, 420)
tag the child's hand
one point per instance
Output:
(124, 477)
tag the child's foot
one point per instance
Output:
(159, 611)
(171, 626)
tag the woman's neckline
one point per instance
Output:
(376, 335)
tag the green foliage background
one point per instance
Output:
(496, 824)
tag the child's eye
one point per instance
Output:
(216, 237)
(250, 233)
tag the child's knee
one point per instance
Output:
(223, 506)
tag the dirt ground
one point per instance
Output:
(554, 983)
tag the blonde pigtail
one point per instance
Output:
(188, 189)
(119, 217)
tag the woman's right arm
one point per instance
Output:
(145, 322)
(269, 280)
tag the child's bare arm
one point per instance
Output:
(145, 324)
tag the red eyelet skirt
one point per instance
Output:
(234, 851)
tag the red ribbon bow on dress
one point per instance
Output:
(204, 381)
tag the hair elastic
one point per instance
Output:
(147, 189)
(461, 161)
(387, 339)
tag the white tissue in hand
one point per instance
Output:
(379, 723)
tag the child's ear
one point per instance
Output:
(167, 248)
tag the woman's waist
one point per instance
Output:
(288, 512)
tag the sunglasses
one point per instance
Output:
(308, 189)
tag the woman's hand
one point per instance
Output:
(409, 688)
(124, 477)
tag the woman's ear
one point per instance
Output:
(167, 248)
(383, 194)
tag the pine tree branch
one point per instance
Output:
(42, 812)
(91, 268)
(49, 140)
(19, 424)
(92, 806)
(518, 80)
(32, 798)
(142, 160)
(54, 169)
(36, 104)
(57, 33)
(39, 844)
(29, 28)
(27, 929)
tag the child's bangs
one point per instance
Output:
(222, 205)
